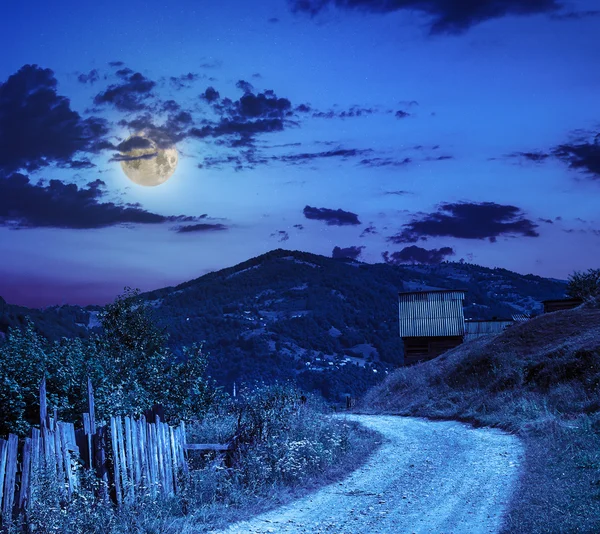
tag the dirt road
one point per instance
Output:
(427, 477)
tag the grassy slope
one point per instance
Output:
(539, 379)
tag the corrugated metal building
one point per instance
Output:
(477, 328)
(431, 322)
(520, 317)
(560, 304)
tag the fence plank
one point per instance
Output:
(135, 447)
(58, 458)
(43, 407)
(100, 444)
(25, 474)
(174, 462)
(122, 460)
(154, 459)
(36, 454)
(3, 455)
(10, 478)
(168, 458)
(129, 455)
(116, 459)
(91, 406)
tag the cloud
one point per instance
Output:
(581, 155)
(398, 192)
(184, 80)
(400, 114)
(468, 220)
(343, 153)
(537, 157)
(116, 63)
(353, 111)
(202, 227)
(282, 235)
(170, 106)
(575, 15)
(247, 159)
(210, 94)
(337, 217)
(385, 162)
(38, 126)
(446, 16)
(414, 254)
(299, 226)
(243, 119)
(60, 205)
(129, 95)
(369, 230)
(91, 77)
(348, 252)
(245, 86)
(212, 64)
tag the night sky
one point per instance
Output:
(385, 130)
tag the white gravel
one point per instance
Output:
(427, 477)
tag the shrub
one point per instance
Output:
(584, 285)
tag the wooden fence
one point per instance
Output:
(129, 455)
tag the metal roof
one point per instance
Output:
(474, 329)
(431, 313)
(434, 291)
(520, 317)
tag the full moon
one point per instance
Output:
(146, 161)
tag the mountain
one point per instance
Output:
(329, 324)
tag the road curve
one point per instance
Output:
(427, 477)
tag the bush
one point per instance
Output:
(584, 285)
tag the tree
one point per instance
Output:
(129, 365)
(584, 285)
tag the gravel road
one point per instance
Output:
(427, 477)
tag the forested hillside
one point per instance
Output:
(331, 325)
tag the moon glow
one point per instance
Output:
(147, 163)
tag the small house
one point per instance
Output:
(560, 304)
(431, 322)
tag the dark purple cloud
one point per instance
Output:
(343, 153)
(349, 252)
(400, 193)
(414, 254)
(60, 205)
(447, 16)
(353, 111)
(184, 80)
(582, 155)
(131, 94)
(202, 227)
(337, 217)
(281, 235)
(369, 230)
(91, 77)
(210, 94)
(575, 15)
(385, 162)
(468, 220)
(38, 126)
